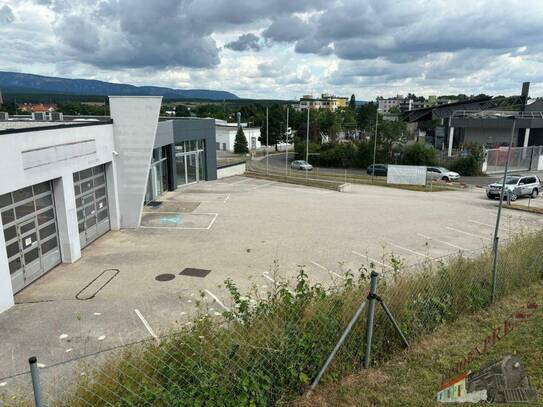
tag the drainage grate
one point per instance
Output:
(192, 272)
(154, 204)
(165, 277)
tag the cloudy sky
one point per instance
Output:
(282, 48)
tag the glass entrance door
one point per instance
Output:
(192, 167)
(190, 162)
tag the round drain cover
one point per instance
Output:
(165, 277)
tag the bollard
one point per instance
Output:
(372, 297)
(34, 373)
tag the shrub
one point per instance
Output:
(466, 166)
(419, 154)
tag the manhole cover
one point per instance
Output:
(154, 204)
(165, 277)
(192, 272)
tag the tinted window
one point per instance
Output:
(41, 188)
(22, 194)
(24, 209)
(44, 202)
(5, 200)
(8, 216)
(49, 245)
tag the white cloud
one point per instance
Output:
(284, 48)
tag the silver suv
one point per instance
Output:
(515, 186)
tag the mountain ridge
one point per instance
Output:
(18, 81)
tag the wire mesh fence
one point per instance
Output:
(269, 347)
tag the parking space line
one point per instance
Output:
(372, 260)
(442, 241)
(328, 270)
(146, 324)
(467, 233)
(241, 181)
(275, 282)
(487, 224)
(216, 299)
(408, 250)
(227, 198)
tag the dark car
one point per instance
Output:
(378, 169)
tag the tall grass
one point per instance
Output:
(267, 350)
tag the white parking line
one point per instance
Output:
(153, 334)
(372, 260)
(328, 270)
(408, 250)
(241, 182)
(441, 241)
(217, 299)
(227, 198)
(275, 282)
(467, 233)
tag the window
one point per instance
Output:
(49, 245)
(5, 199)
(42, 188)
(218, 146)
(22, 194)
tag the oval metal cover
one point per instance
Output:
(165, 277)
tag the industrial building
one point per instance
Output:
(226, 135)
(63, 184)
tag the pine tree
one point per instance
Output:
(352, 103)
(240, 144)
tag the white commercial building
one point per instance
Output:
(64, 184)
(226, 135)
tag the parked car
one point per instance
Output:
(301, 165)
(441, 173)
(515, 186)
(378, 169)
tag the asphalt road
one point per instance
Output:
(276, 162)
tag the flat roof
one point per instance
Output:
(22, 126)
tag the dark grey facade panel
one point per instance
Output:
(199, 129)
(173, 131)
(496, 123)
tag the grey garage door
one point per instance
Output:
(30, 232)
(91, 203)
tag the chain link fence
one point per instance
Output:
(270, 347)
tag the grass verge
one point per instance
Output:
(412, 378)
(267, 349)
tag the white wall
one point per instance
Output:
(228, 135)
(135, 121)
(230, 171)
(36, 156)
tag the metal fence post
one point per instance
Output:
(34, 373)
(336, 348)
(372, 297)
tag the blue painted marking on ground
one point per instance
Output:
(170, 220)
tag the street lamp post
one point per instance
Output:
(375, 145)
(307, 143)
(286, 147)
(267, 158)
(498, 217)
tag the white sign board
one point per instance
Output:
(406, 174)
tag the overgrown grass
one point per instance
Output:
(412, 378)
(267, 349)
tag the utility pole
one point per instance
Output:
(307, 142)
(375, 145)
(267, 157)
(496, 230)
(286, 147)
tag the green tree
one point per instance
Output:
(365, 116)
(9, 107)
(240, 143)
(352, 103)
(182, 111)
